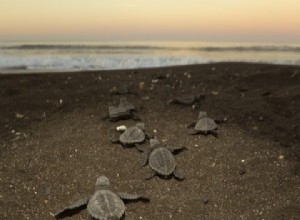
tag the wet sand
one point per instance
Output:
(54, 144)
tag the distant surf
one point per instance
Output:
(66, 56)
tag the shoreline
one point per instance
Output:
(54, 145)
(25, 71)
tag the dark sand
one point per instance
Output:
(52, 153)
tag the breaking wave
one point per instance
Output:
(64, 56)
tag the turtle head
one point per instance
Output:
(102, 182)
(202, 114)
(154, 143)
(140, 126)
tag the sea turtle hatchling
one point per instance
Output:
(186, 99)
(132, 136)
(121, 90)
(125, 110)
(104, 204)
(161, 160)
(204, 125)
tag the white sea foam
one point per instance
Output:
(62, 57)
(100, 62)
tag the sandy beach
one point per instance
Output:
(54, 144)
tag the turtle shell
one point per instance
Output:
(206, 124)
(126, 105)
(162, 161)
(132, 135)
(104, 205)
(186, 100)
(115, 112)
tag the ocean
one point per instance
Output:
(80, 56)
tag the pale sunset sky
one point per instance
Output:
(203, 20)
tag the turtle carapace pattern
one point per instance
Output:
(132, 136)
(161, 160)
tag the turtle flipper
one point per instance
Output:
(126, 196)
(105, 117)
(171, 101)
(145, 157)
(214, 133)
(72, 209)
(193, 132)
(191, 124)
(150, 175)
(176, 150)
(114, 137)
(140, 148)
(148, 136)
(178, 175)
(134, 116)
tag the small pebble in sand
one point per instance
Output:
(193, 107)
(281, 157)
(60, 101)
(155, 80)
(121, 128)
(19, 116)
(255, 128)
(155, 131)
(243, 161)
(142, 85)
(215, 93)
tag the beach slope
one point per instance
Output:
(53, 143)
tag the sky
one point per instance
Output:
(190, 20)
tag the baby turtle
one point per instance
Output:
(121, 90)
(104, 204)
(132, 136)
(126, 105)
(161, 160)
(205, 125)
(125, 110)
(186, 99)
